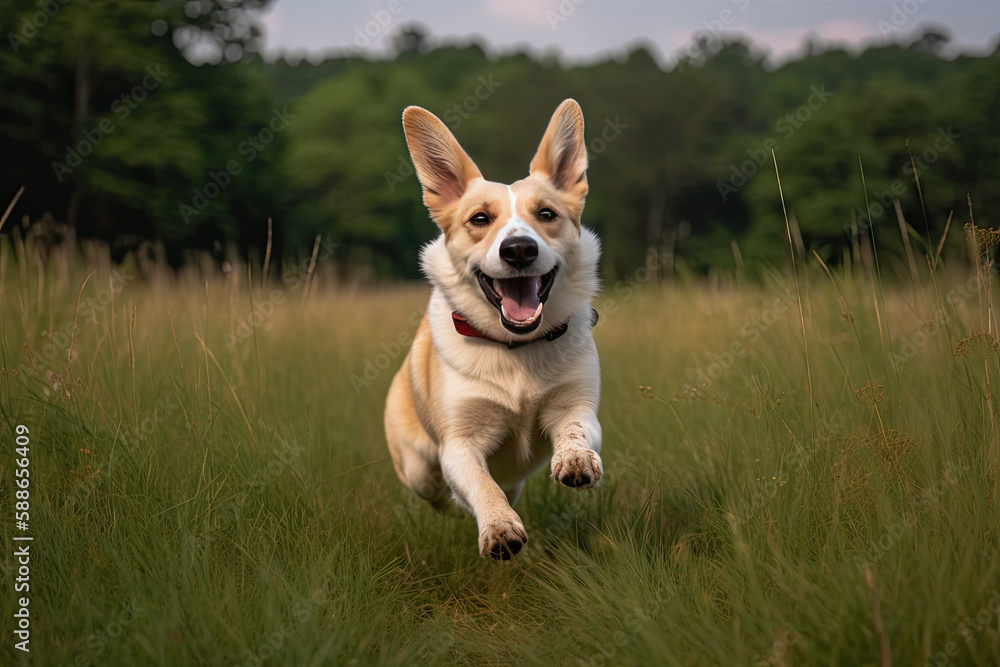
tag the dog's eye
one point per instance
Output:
(480, 220)
(546, 215)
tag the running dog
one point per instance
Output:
(503, 374)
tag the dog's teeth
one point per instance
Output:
(534, 316)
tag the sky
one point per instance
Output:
(588, 30)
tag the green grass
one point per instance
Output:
(235, 503)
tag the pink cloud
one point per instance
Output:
(528, 13)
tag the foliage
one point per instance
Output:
(680, 158)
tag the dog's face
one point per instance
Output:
(512, 247)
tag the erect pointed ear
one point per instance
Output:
(562, 155)
(444, 169)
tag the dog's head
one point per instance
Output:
(511, 257)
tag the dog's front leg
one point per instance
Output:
(501, 533)
(576, 446)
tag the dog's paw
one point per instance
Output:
(578, 468)
(501, 538)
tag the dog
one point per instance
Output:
(503, 373)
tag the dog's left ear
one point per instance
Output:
(562, 155)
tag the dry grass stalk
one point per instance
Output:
(312, 267)
(937, 255)
(10, 206)
(906, 243)
(267, 258)
(131, 361)
(885, 650)
(981, 344)
(798, 295)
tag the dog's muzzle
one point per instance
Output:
(520, 300)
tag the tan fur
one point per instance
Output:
(468, 420)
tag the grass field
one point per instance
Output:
(210, 486)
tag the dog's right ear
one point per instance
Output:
(444, 169)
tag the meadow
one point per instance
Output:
(210, 484)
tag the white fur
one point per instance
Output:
(575, 285)
(551, 388)
(472, 417)
(493, 371)
(495, 267)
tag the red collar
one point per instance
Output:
(463, 327)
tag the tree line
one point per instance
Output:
(168, 124)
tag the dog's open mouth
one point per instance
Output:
(520, 300)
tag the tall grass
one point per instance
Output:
(208, 492)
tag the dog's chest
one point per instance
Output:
(523, 447)
(518, 381)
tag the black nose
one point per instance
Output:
(518, 251)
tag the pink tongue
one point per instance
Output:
(519, 297)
